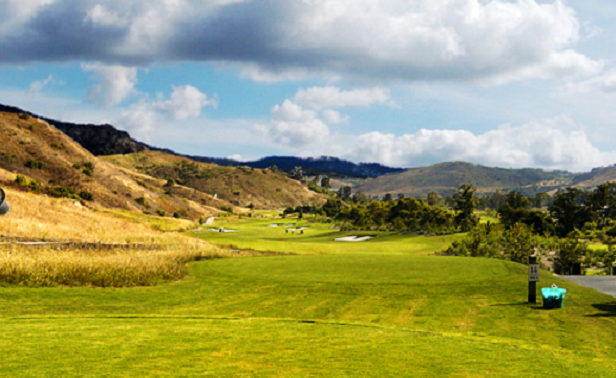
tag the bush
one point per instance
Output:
(77, 165)
(87, 172)
(570, 253)
(84, 194)
(24, 116)
(160, 212)
(228, 209)
(142, 201)
(33, 164)
(63, 192)
(89, 165)
(30, 184)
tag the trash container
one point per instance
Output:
(614, 269)
(553, 297)
(4, 206)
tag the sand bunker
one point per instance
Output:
(273, 225)
(223, 230)
(289, 225)
(354, 238)
(298, 229)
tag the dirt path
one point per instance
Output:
(603, 284)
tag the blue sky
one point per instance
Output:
(407, 83)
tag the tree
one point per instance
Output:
(568, 211)
(433, 199)
(344, 193)
(569, 254)
(514, 209)
(401, 196)
(326, 182)
(387, 197)
(465, 204)
(332, 207)
(360, 197)
(274, 167)
(602, 203)
(296, 173)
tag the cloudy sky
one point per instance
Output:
(509, 83)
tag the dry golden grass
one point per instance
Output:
(20, 265)
(163, 257)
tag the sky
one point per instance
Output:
(405, 83)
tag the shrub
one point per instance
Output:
(160, 212)
(89, 165)
(180, 213)
(30, 184)
(84, 194)
(63, 192)
(142, 201)
(33, 164)
(56, 145)
(77, 165)
(24, 116)
(87, 172)
(228, 209)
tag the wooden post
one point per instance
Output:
(532, 284)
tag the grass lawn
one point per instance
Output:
(318, 238)
(395, 311)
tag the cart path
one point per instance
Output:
(603, 284)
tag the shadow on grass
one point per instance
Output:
(535, 306)
(609, 310)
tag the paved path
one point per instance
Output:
(209, 221)
(603, 284)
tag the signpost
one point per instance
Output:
(533, 278)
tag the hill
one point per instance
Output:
(445, 178)
(325, 165)
(595, 177)
(241, 186)
(49, 162)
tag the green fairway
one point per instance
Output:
(379, 308)
(319, 238)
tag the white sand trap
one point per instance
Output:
(354, 238)
(298, 229)
(223, 230)
(209, 221)
(289, 225)
(273, 225)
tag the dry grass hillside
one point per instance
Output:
(153, 255)
(49, 162)
(445, 178)
(241, 186)
(595, 177)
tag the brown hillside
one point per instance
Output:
(445, 178)
(595, 177)
(41, 153)
(239, 185)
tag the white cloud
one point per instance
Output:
(545, 144)
(335, 118)
(391, 41)
(115, 83)
(185, 102)
(331, 97)
(38, 85)
(143, 117)
(293, 126)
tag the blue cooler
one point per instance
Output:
(553, 297)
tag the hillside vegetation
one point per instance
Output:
(38, 158)
(445, 178)
(242, 186)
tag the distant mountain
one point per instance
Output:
(324, 165)
(445, 178)
(595, 177)
(107, 140)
